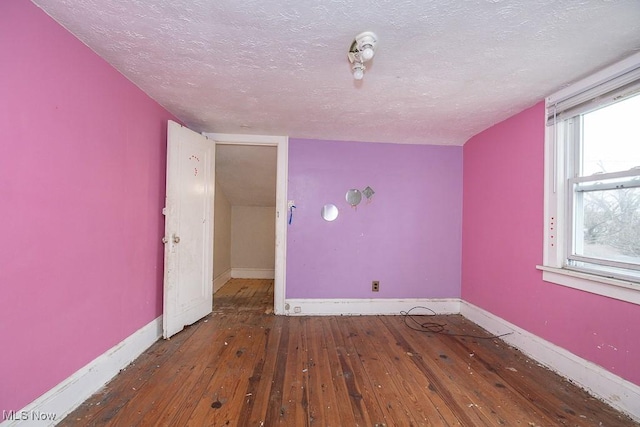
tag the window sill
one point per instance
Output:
(612, 288)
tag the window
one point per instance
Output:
(592, 185)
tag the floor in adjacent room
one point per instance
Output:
(244, 366)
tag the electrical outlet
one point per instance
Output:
(375, 286)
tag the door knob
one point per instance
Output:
(165, 240)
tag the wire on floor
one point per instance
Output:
(411, 321)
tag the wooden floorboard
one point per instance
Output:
(243, 366)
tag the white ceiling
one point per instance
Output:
(444, 70)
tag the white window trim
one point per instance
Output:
(556, 221)
(599, 285)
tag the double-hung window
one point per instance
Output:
(592, 185)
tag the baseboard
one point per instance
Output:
(369, 306)
(252, 273)
(70, 393)
(219, 281)
(617, 392)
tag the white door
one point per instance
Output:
(188, 236)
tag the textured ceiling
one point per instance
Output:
(444, 70)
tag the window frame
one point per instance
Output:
(562, 150)
(579, 184)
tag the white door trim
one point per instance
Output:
(282, 145)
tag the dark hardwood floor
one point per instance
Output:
(243, 366)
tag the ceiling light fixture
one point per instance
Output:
(362, 50)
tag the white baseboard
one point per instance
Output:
(617, 392)
(219, 281)
(70, 393)
(252, 273)
(371, 306)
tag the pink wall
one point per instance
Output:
(502, 243)
(407, 237)
(82, 170)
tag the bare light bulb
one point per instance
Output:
(367, 53)
(358, 73)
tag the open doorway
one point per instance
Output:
(250, 212)
(244, 224)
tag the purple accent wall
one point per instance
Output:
(408, 237)
(502, 244)
(82, 172)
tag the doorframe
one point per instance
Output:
(282, 166)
